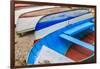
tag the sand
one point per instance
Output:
(22, 46)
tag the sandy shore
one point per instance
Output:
(22, 47)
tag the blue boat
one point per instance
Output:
(61, 31)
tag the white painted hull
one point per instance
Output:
(29, 23)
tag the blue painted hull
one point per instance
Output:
(54, 42)
(57, 18)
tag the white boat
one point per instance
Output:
(27, 22)
(26, 19)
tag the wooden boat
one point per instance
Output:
(28, 23)
(26, 19)
(67, 35)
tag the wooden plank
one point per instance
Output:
(79, 28)
(44, 11)
(76, 41)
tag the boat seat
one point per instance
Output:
(79, 28)
(76, 41)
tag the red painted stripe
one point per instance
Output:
(35, 41)
(82, 50)
(75, 55)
